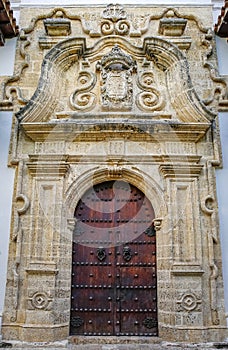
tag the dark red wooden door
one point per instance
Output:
(114, 263)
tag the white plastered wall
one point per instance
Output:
(222, 175)
(6, 174)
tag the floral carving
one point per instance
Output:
(114, 12)
(116, 73)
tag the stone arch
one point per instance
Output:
(141, 180)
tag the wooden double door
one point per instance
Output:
(114, 289)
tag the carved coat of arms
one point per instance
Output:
(116, 75)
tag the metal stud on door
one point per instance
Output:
(114, 263)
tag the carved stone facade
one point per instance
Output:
(113, 93)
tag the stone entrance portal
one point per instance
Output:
(114, 285)
(106, 94)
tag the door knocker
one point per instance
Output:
(101, 254)
(127, 253)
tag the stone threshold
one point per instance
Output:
(114, 340)
(112, 343)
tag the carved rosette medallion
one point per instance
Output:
(189, 302)
(116, 79)
(40, 300)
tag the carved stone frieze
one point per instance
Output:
(123, 88)
(112, 20)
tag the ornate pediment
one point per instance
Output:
(150, 82)
(102, 29)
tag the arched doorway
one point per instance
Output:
(114, 284)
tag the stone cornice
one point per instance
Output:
(181, 170)
(48, 165)
(122, 160)
(71, 130)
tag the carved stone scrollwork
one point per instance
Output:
(208, 205)
(157, 222)
(115, 21)
(116, 74)
(23, 203)
(82, 98)
(150, 99)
